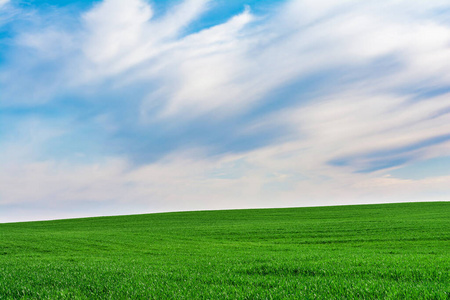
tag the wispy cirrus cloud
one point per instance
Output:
(304, 103)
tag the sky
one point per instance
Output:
(126, 107)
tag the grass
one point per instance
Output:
(391, 251)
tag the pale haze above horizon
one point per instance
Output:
(120, 107)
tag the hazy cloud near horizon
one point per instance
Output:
(117, 107)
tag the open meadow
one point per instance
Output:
(399, 251)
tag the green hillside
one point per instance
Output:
(399, 251)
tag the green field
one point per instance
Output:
(399, 251)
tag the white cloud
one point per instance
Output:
(244, 58)
(268, 178)
(120, 36)
(5, 11)
(114, 28)
(349, 124)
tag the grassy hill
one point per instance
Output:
(363, 251)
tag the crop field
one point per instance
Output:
(387, 251)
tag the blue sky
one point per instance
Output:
(118, 107)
